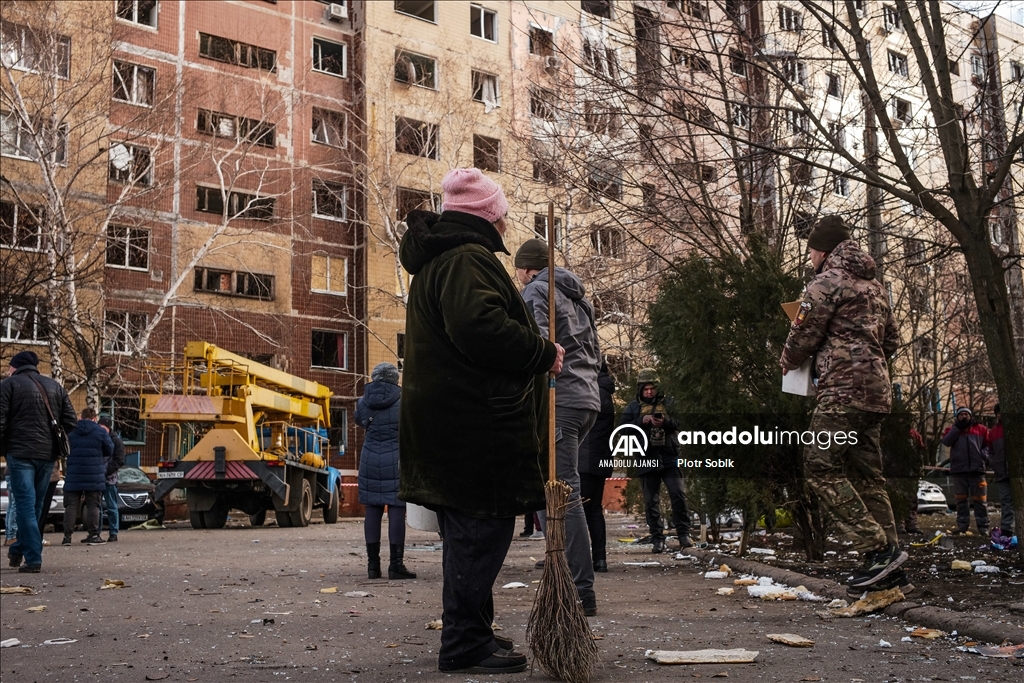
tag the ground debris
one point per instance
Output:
(738, 656)
(872, 602)
(791, 639)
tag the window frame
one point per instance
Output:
(331, 187)
(892, 20)
(127, 247)
(832, 78)
(61, 61)
(244, 129)
(484, 12)
(433, 11)
(603, 245)
(235, 197)
(242, 54)
(429, 145)
(415, 60)
(477, 79)
(790, 20)
(34, 312)
(541, 220)
(237, 283)
(326, 115)
(327, 275)
(130, 174)
(898, 64)
(482, 154)
(344, 343)
(22, 136)
(127, 326)
(135, 13)
(544, 48)
(542, 102)
(40, 237)
(320, 42)
(133, 96)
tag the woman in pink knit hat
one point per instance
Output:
(473, 428)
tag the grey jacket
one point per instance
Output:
(576, 386)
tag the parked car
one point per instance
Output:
(56, 514)
(930, 498)
(135, 494)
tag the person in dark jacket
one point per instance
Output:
(86, 477)
(592, 451)
(651, 413)
(577, 399)
(28, 443)
(473, 425)
(968, 458)
(1001, 478)
(110, 497)
(377, 412)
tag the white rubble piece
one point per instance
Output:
(738, 656)
(791, 639)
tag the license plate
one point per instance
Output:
(170, 475)
(134, 518)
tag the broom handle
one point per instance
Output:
(551, 336)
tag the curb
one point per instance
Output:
(946, 620)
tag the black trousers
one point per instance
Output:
(592, 491)
(652, 488)
(474, 550)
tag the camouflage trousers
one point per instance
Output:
(847, 477)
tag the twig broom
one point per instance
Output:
(558, 632)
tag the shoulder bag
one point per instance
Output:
(61, 445)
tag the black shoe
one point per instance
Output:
(685, 542)
(590, 611)
(14, 559)
(878, 565)
(897, 579)
(601, 566)
(30, 569)
(504, 643)
(94, 540)
(111, 538)
(510, 663)
(659, 545)
(525, 534)
(67, 540)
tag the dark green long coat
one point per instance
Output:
(473, 428)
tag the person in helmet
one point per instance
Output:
(650, 411)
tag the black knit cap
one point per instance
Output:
(533, 255)
(24, 358)
(828, 233)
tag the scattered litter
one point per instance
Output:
(725, 590)
(765, 581)
(143, 636)
(515, 584)
(905, 639)
(737, 656)
(148, 525)
(278, 614)
(716, 575)
(264, 622)
(791, 639)
(352, 594)
(999, 652)
(59, 641)
(312, 647)
(111, 583)
(884, 643)
(332, 589)
(769, 593)
(934, 540)
(808, 596)
(434, 625)
(495, 627)
(874, 601)
(744, 582)
(725, 568)
(720, 674)
(627, 540)
(830, 552)
(16, 590)
(10, 642)
(642, 564)
(762, 551)
(978, 563)
(986, 569)
(680, 556)
(837, 604)
(37, 608)
(960, 564)
(852, 552)
(928, 633)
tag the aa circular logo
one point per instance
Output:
(628, 441)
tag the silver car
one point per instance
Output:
(930, 498)
(54, 516)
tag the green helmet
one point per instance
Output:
(647, 376)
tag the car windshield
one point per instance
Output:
(131, 475)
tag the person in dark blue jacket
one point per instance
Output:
(377, 412)
(968, 459)
(86, 476)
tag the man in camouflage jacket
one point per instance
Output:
(845, 322)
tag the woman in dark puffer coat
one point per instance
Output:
(377, 412)
(86, 476)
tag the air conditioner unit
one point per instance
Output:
(552, 64)
(337, 11)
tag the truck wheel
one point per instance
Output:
(216, 517)
(304, 514)
(258, 519)
(333, 508)
(283, 518)
(197, 519)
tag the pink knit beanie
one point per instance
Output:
(470, 191)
